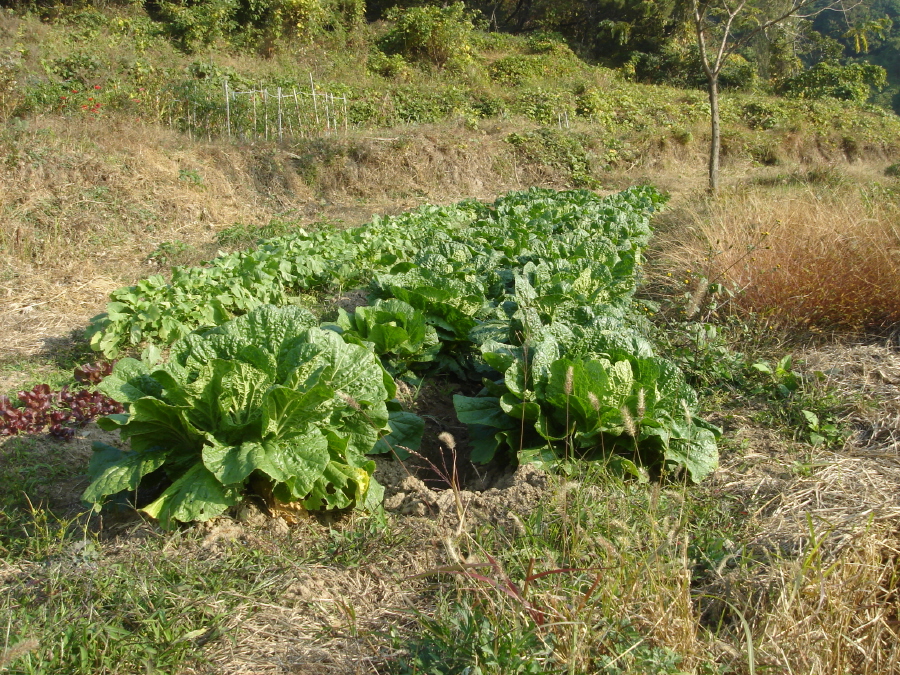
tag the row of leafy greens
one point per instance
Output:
(158, 311)
(431, 240)
(531, 297)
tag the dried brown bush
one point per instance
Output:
(816, 253)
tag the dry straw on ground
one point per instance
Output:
(820, 581)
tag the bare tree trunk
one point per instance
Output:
(715, 142)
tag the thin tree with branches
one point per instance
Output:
(725, 26)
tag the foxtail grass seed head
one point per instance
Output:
(518, 525)
(630, 426)
(641, 404)
(17, 651)
(349, 400)
(688, 417)
(447, 439)
(595, 402)
(570, 376)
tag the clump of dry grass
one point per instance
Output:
(836, 616)
(806, 255)
(819, 581)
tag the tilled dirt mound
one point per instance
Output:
(509, 499)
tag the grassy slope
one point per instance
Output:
(85, 201)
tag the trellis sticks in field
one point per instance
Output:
(270, 114)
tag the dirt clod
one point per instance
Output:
(513, 496)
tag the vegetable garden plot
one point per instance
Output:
(529, 297)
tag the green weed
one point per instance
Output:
(240, 235)
(170, 253)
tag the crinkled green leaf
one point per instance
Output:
(387, 338)
(232, 464)
(156, 424)
(350, 370)
(693, 448)
(195, 496)
(485, 443)
(245, 387)
(113, 422)
(361, 428)
(113, 470)
(286, 412)
(207, 398)
(500, 356)
(269, 327)
(482, 410)
(406, 431)
(374, 495)
(340, 486)
(297, 462)
(266, 327)
(517, 409)
(129, 381)
(543, 457)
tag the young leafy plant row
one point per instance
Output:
(530, 297)
(157, 311)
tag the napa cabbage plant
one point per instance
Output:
(396, 332)
(267, 399)
(574, 393)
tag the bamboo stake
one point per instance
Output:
(287, 114)
(255, 125)
(345, 114)
(266, 111)
(280, 133)
(312, 87)
(334, 125)
(227, 108)
(334, 113)
(297, 106)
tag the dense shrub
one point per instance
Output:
(193, 24)
(435, 35)
(386, 65)
(543, 106)
(681, 66)
(853, 82)
(556, 148)
(518, 68)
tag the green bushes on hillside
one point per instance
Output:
(439, 36)
(852, 82)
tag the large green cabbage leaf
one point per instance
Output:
(268, 396)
